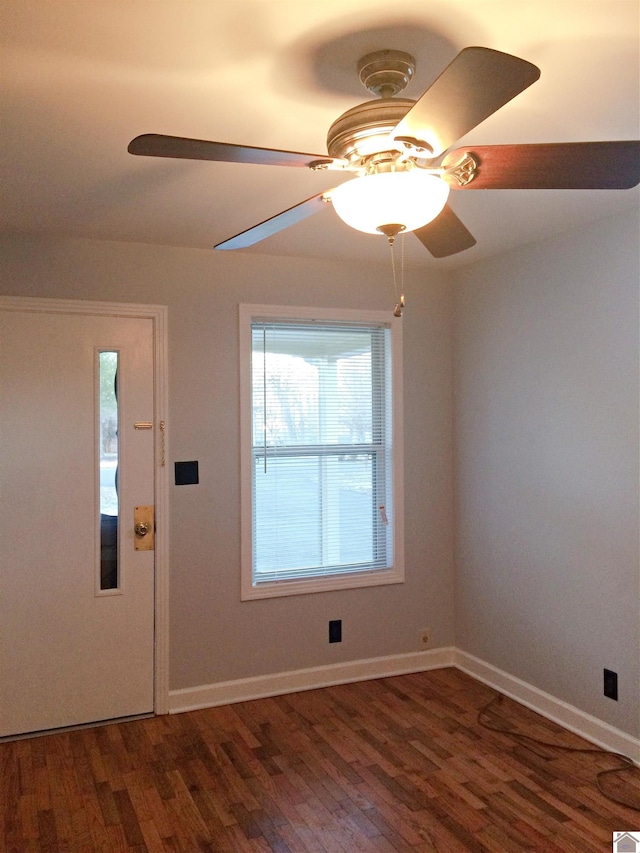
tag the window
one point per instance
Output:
(321, 450)
(107, 461)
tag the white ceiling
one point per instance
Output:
(81, 78)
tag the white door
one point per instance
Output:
(76, 641)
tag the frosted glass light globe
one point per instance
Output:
(411, 199)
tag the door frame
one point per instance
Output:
(158, 314)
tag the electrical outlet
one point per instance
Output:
(611, 684)
(425, 636)
(335, 631)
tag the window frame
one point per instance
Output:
(394, 574)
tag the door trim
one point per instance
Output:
(158, 314)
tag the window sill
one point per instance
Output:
(276, 589)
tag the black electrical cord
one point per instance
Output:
(627, 762)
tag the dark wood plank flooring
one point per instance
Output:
(385, 766)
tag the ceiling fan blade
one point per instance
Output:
(473, 86)
(276, 223)
(549, 166)
(182, 148)
(445, 235)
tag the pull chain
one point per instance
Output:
(400, 303)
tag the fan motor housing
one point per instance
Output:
(365, 129)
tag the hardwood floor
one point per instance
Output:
(386, 766)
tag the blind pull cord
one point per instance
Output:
(264, 393)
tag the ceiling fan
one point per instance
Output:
(398, 150)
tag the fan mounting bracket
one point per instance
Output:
(463, 170)
(418, 147)
(386, 72)
(324, 165)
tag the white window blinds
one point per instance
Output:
(321, 432)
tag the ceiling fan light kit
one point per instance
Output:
(408, 199)
(400, 152)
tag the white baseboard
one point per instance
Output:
(592, 729)
(259, 687)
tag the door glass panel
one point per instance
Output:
(108, 469)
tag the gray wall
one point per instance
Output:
(544, 397)
(214, 636)
(547, 469)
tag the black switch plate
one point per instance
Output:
(335, 631)
(186, 473)
(611, 684)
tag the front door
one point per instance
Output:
(77, 459)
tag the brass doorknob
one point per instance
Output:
(141, 529)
